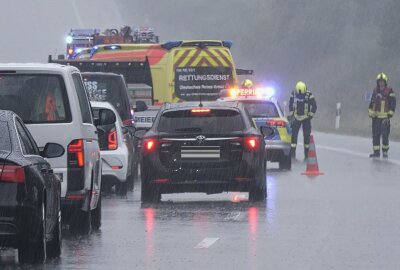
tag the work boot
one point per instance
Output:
(375, 154)
(385, 154)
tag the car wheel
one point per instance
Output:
(285, 163)
(121, 188)
(81, 222)
(34, 252)
(149, 194)
(54, 246)
(257, 194)
(96, 216)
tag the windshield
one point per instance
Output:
(215, 122)
(36, 98)
(5, 141)
(261, 109)
(110, 89)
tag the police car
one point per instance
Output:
(264, 109)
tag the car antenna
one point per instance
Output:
(201, 104)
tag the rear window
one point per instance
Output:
(36, 98)
(215, 122)
(5, 141)
(110, 89)
(261, 109)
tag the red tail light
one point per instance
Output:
(12, 174)
(149, 145)
(75, 151)
(201, 111)
(276, 123)
(160, 181)
(112, 140)
(252, 143)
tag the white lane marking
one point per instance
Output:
(207, 242)
(353, 153)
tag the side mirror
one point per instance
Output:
(141, 106)
(52, 150)
(125, 130)
(140, 133)
(266, 131)
(106, 117)
(130, 129)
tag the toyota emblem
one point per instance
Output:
(200, 139)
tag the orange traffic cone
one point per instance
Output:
(312, 162)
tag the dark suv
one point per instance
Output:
(211, 148)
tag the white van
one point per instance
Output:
(52, 102)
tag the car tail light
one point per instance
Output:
(76, 156)
(201, 111)
(149, 145)
(112, 140)
(276, 123)
(252, 143)
(160, 181)
(13, 174)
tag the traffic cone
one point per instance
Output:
(312, 162)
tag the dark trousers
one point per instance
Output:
(380, 128)
(306, 132)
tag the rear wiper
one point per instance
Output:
(188, 129)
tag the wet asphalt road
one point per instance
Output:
(347, 219)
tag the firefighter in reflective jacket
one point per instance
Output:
(302, 107)
(381, 109)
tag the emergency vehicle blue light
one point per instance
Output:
(113, 47)
(69, 39)
(269, 91)
(227, 43)
(79, 50)
(93, 50)
(171, 44)
(266, 92)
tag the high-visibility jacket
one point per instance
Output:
(302, 106)
(383, 103)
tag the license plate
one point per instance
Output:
(200, 152)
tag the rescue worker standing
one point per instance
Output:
(302, 107)
(381, 109)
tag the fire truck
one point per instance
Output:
(80, 40)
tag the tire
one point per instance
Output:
(130, 181)
(96, 216)
(54, 246)
(121, 188)
(35, 252)
(285, 163)
(150, 195)
(257, 194)
(81, 222)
